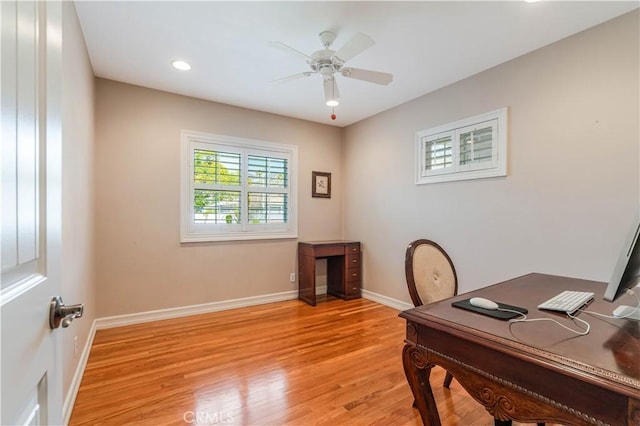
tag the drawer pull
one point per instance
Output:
(354, 274)
(354, 261)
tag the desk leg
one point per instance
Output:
(307, 279)
(418, 369)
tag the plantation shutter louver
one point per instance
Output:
(217, 183)
(438, 151)
(267, 195)
(477, 145)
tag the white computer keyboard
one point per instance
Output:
(567, 301)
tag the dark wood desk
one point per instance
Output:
(531, 371)
(343, 268)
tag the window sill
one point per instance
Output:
(236, 237)
(456, 176)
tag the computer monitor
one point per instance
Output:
(627, 270)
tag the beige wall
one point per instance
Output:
(77, 188)
(140, 263)
(573, 182)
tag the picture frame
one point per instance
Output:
(321, 184)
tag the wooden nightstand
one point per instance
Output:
(344, 272)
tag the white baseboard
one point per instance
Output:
(387, 301)
(70, 399)
(183, 311)
(378, 298)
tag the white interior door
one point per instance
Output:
(30, 92)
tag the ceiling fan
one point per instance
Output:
(327, 63)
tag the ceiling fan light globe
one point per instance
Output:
(333, 103)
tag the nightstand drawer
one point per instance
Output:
(328, 250)
(353, 260)
(352, 248)
(353, 288)
(353, 274)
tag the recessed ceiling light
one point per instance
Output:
(181, 65)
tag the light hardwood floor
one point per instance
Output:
(285, 363)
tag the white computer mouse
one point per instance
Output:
(481, 302)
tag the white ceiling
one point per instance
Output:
(425, 45)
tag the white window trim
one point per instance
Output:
(192, 232)
(498, 165)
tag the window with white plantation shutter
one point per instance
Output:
(477, 147)
(237, 189)
(438, 152)
(473, 148)
(268, 189)
(217, 187)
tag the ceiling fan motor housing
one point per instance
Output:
(325, 63)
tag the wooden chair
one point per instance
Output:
(431, 276)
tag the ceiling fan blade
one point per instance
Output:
(376, 77)
(358, 44)
(288, 49)
(331, 91)
(292, 77)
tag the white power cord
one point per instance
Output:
(628, 314)
(525, 319)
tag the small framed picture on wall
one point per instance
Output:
(321, 184)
